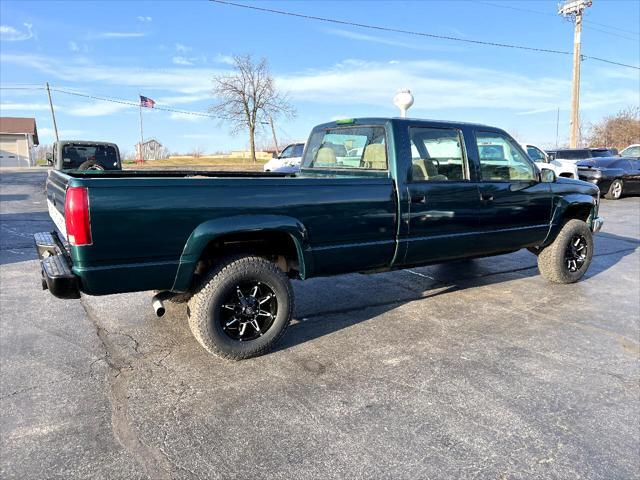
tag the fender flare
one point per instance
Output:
(208, 231)
(564, 203)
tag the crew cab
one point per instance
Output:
(84, 155)
(562, 168)
(373, 194)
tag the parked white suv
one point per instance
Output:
(288, 161)
(562, 168)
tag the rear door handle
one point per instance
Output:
(418, 199)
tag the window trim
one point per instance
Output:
(465, 158)
(349, 169)
(525, 156)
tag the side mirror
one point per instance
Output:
(547, 175)
(49, 158)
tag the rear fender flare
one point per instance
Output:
(208, 231)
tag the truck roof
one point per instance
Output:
(86, 142)
(401, 120)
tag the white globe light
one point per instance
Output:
(403, 100)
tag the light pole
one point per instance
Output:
(574, 9)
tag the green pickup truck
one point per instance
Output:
(373, 194)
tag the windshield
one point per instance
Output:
(632, 151)
(602, 153)
(582, 154)
(347, 147)
(74, 155)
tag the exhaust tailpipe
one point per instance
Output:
(157, 302)
(158, 306)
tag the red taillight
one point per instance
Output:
(77, 217)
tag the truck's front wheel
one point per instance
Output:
(567, 259)
(242, 309)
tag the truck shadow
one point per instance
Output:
(327, 305)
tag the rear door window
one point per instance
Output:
(437, 154)
(347, 148)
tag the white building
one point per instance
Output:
(18, 138)
(151, 150)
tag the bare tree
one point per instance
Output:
(618, 131)
(248, 98)
(42, 150)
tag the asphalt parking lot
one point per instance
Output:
(475, 369)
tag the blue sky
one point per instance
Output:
(169, 51)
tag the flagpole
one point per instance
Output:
(141, 135)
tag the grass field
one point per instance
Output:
(201, 163)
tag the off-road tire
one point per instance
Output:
(551, 260)
(204, 306)
(615, 190)
(90, 165)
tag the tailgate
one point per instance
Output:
(56, 188)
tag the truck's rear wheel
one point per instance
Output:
(568, 258)
(242, 308)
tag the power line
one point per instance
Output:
(420, 34)
(133, 104)
(549, 14)
(112, 100)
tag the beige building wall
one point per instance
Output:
(16, 150)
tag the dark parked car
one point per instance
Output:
(615, 176)
(373, 194)
(581, 153)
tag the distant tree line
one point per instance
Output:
(615, 131)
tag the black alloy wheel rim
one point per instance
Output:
(576, 253)
(248, 311)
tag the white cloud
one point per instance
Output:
(181, 80)
(187, 117)
(226, 59)
(181, 99)
(29, 107)
(97, 109)
(388, 41)
(12, 34)
(46, 132)
(119, 35)
(179, 60)
(144, 19)
(182, 48)
(77, 48)
(439, 85)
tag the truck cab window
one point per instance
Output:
(347, 147)
(502, 160)
(436, 155)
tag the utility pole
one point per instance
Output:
(273, 131)
(53, 114)
(574, 9)
(141, 159)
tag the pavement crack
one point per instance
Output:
(151, 458)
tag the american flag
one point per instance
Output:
(146, 102)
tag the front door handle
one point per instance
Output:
(418, 199)
(486, 197)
